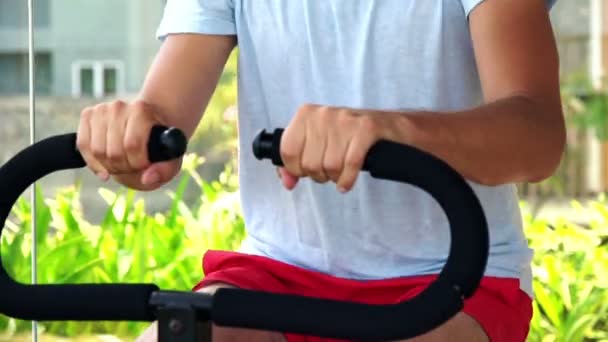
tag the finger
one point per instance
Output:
(160, 173)
(353, 161)
(137, 133)
(97, 142)
(333, 160)
(289, 181)
(114, 140)
(292, 146)
(314, 151)
(83, 142)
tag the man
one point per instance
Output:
(473, 82)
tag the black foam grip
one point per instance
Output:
(82, 302)
(336, 319)
(65, 302)
(469, 245)
(402, 163)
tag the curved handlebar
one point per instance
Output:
(72, 302)
(458, 279)
(250, 309)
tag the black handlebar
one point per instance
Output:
(443, 298)
(72, 302)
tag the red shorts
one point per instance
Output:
(503, 310)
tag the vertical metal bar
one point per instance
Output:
(32, 102)
(595, 50)
(594, 170)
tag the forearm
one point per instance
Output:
(511, 140)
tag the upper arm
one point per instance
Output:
(515, 51)
(198, 36)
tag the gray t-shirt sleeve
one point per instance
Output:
(469, 5)
(197, 16)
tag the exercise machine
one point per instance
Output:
(187, 316)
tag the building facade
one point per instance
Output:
(90, 48)
(102, 47)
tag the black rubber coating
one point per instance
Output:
(166, 144)
(469, 244)
(258, 310)
(71, 302)
(336, 319)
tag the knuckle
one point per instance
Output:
(325, 112)
(132, 144)
(311, 166)
(288, 151)
(306, 110)
(352, 162)
(308, 107)
(332, 166)
(139, 106)
(319, 178)
(368, 124)
(344, 113)
(345, 118)
(86, 113)
(117, 105)
(306, 167)
(98, 152)
(114, 155)
(100, 107)
(81, 143)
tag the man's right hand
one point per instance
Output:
(113, 139)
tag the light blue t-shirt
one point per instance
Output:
(373, 54)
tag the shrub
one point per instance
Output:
(570, 269)
(130, 245)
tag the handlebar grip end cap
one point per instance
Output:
(175, 141)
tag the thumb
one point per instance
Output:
(289, 181)
(160, 173)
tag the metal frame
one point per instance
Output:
(182, 317)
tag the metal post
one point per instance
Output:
(32, 98)
(594, 173)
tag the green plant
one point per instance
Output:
(131, 245)
(585, 106)
(127, 246)
(216, 135)
(570, 279)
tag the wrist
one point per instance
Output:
(400, 127)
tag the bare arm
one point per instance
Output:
(519, 134)
(184, 76)
(112, 137)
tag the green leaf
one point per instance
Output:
(43, 216)
(78, 274)
(549, 305)
(177, 199)
(59, 252)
